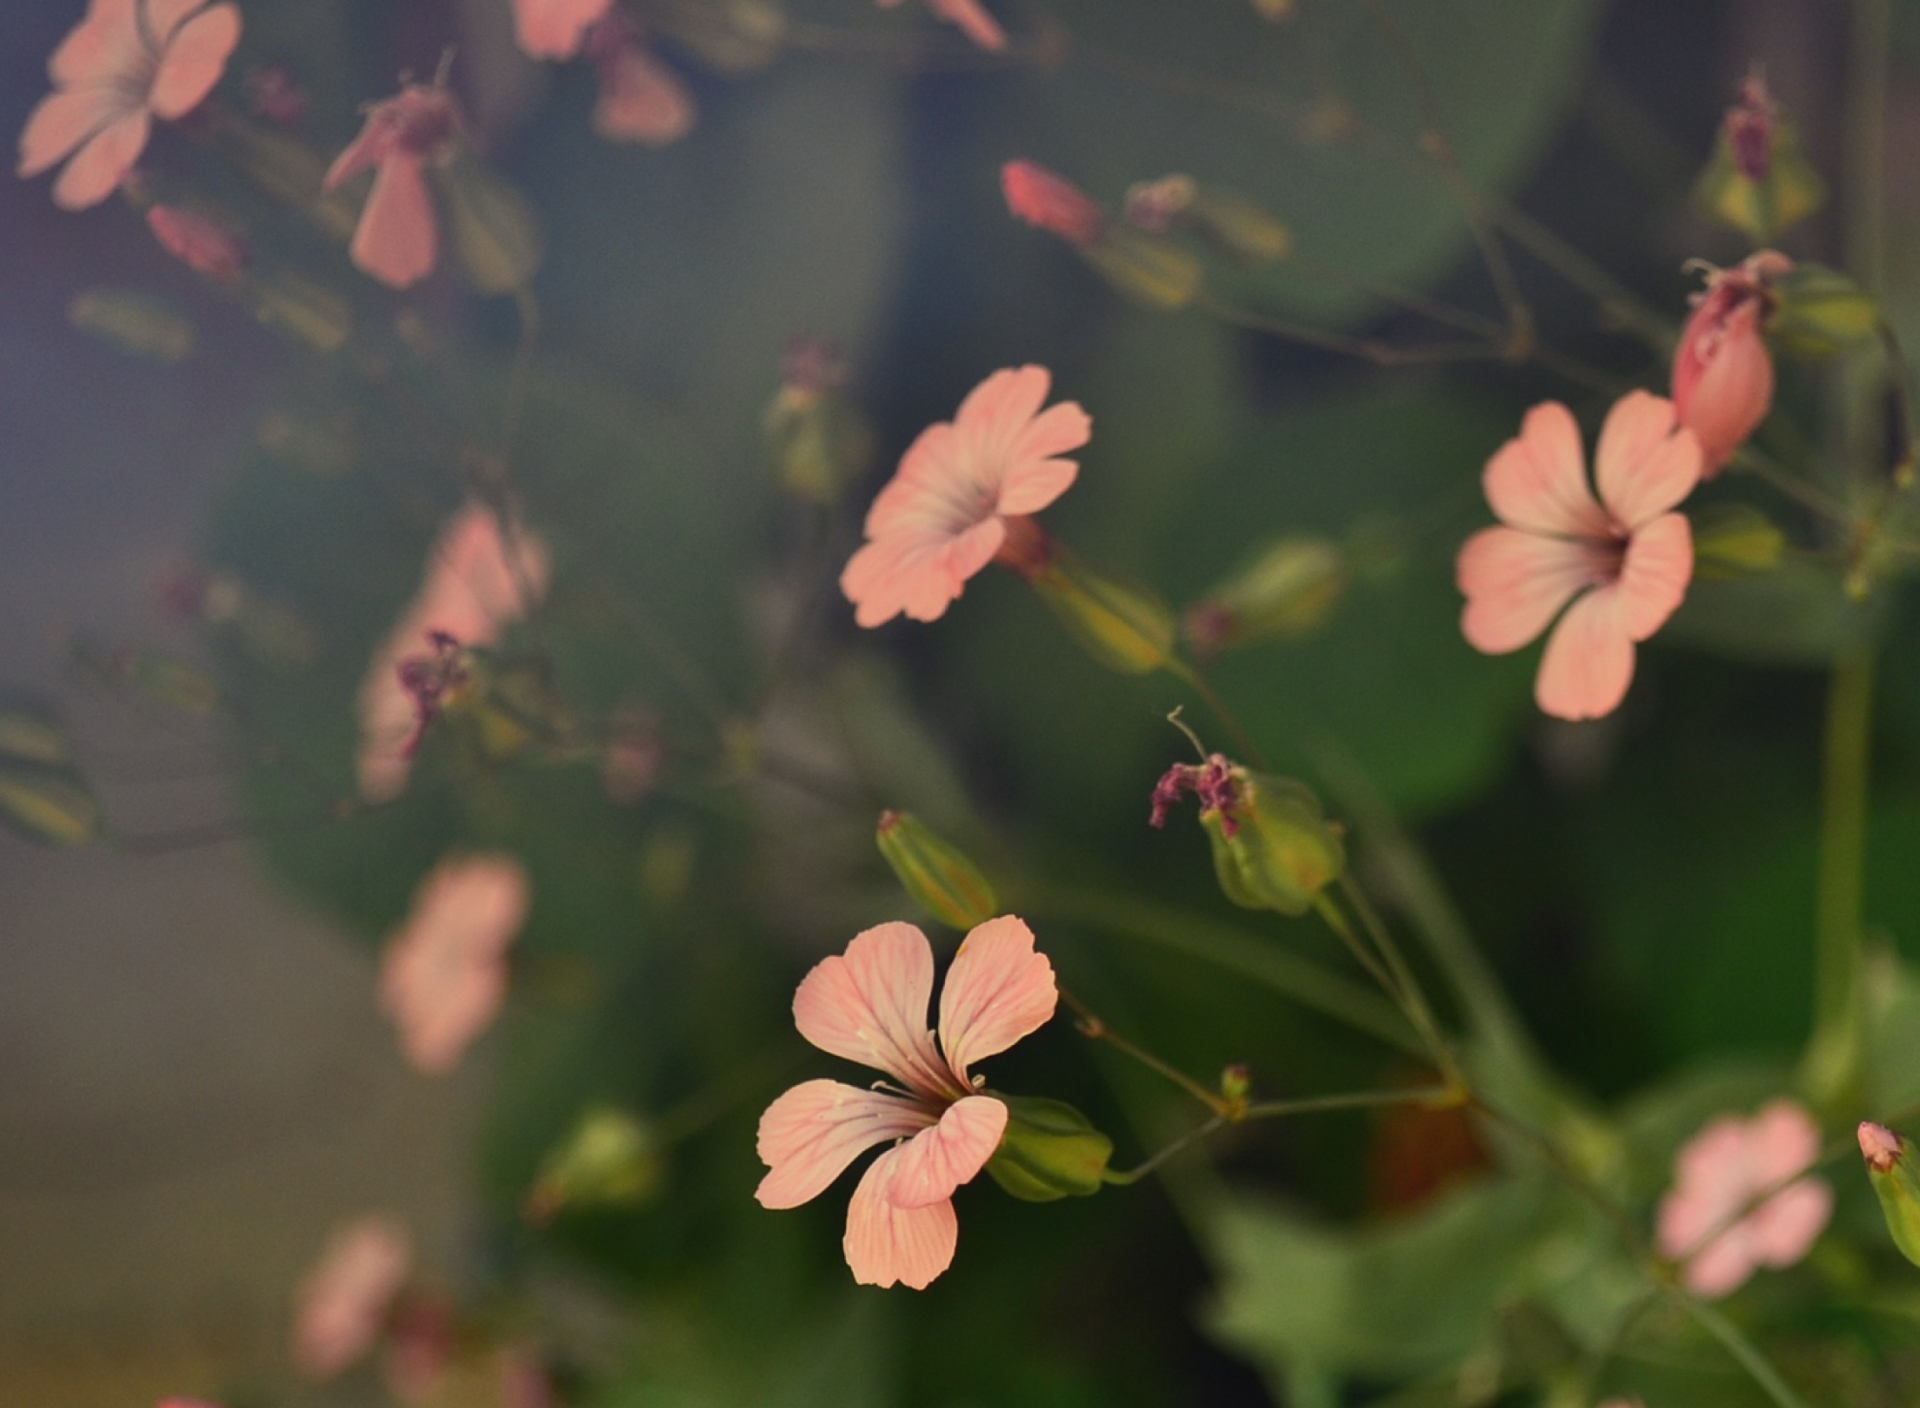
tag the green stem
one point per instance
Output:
(1121, 1179)
(1740, 1347)
(1190, 676)
(1360, 1100)
(1095, 1029)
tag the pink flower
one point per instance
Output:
(946, 512)
(553, 29)
(1722, 373)
(969, 15)
(126, 63)
(343, 1303)
(398, 238)
(871, 1006)
(1718, 1173)
(203, 245)
(641, 99)
(444, 976)
(1627, 563)
(1051, 203)
(470, 592)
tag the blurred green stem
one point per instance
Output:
(1391, 972)
(1190, 676)
(1094, 1028)
(1740, 1347)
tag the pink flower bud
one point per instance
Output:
(1052, 203)
(1750, 124)
(197, 242)
(1879, 1146)
(1722, 372)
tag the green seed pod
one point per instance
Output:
(609, 1160)
(935, 873)
(1125, 627)
(1819, 311)
(1049, 1151)
(1287, 593)
(1759, 179)
(1272, 846)
(1154, 272)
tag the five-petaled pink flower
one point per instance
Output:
(343, 1305)
(444, 975)
(126, 63)
(1718, 1173)
(870, 1006)
(1627, 558)
(471, 591)
(398, 238)
(1722, 372)
(970, 16)
(962, 487)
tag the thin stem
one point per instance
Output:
(1189, 675)
(1399, 983)
(1603, 1352)
(1900, 381)
(1094, 1028)
(1330, 914)
(1359, 1100)
(1739, 1346)
(1459, 319)
(1389, 949)
(1618, 302)
(1121, 1179)
(1380, 354)
(1771, 473)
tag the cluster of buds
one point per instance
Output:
(1273, 848)
(1231, 225)
(1146, 267)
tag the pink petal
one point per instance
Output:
(929, 1166)
(922, 491)
(1721, 1269)
(1036, 477)
(641, 100)
(811, 1133)
(1785, 1227)
(935, 582)
(343, 1301)
(160, 19)
(1782, 1140)
(1655, 573)
(397, 240)
(1589, 659)
(887, 1244)
(1538, 479)
(870, 1006)
(194, 61)
(991, 419)
(973, 20)
(998, 991)
(1642, 465)
(473, 585)
(62, 121)
(99, 167)
(1516, 582)
(552, 29)
(100, 48)
(444, 976)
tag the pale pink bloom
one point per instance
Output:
(1052, 203)
(1879, 1146)
(1722, 372)
(344, 1302)
(641, 99)
(969, 15)
(398, 238)
(470, 592)
(1718, 1173)
(1626, 558)
(203, 245)
(444, 976)
(870, 1006)
(945, 513)
(126, 63)
(553, 29)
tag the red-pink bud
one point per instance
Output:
(1879, 1146)
(1051, 203)
(197, 242)
(1722, 371)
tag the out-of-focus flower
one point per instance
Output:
(1626, 558)
(970, 16)
(630, 763)
(1051, 202)
(126, 63)
(554, 29)
(524, 1381)
(1718, 1173)
(1722, 373)
(870, 1006)
(275, 94)
(444, 976)
(343, 1304)
(641, 99)
(961, 494)
(1759, 179)
(1749, 125)
(420, 1346)
(398, 238)
(203, 245)
(470, 592)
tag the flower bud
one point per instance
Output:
(496, 236)
(938, 876)
(1287, 593)
(203, 245)
(1153, 272)
(1722, 372)
(296, 307)
(50, 805)
(1759, 180)
(1051, 203)
(136, 323)
(1820, 311)
(1272, 846)
(1125, 627)
(1236, 228)
(1049, 1151)
(1890, 1159)
(609, 1160)
(1735, 540)
(818, 442)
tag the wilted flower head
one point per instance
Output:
(1623, 561)
(126, 63)
(203, 245)
(1052, 203)
(641, 98)
(1722, 373)
(961, 495)
(342, 1305)
(870, 1006)
(1212, 782)
(970, 16)
(554, 29)
(444, 976)
(398, 238)
(1718, 1173)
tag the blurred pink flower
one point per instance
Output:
(420, 1345)
(444, 975)
(1722, 372)
(203, 245)
(524, 1381)
(1052, 203)
(470, 592)
(641, 99)
(1722, 1169)
(344, 1302)
(630, 764)
(398, 238)
(870, 1006)
(126, 63)
(276, 95)
(553, 29)
(969, 15)
(1627, 563)
(945, 514)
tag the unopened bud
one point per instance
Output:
(1273, 848)
(1236, 1083)
(1759, 179)
(1890, 1161)
(1125, 627)
(296, 307)
(934, 872)
(1052, 203)
(1049, 1151)
(1154, 272)
(1735, 540)
(135, 323)
(496, 236)
(1819, 311)
(1287, 593)
(609, 1160)
(1236, 228)
(817, 440)
(203, 245)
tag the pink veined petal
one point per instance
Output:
(1654, 574)
(811, 1133)
(1644, 466)
(929, 1166)
(1733, 391)
(993, 415)
(998, 990)
(473, 580)
(887, 1244)
(397, 240)
(642, 100)
(1589, 659)
(63, 121)
(194, 61)
(102, 46)
(98, 168)
(160, 19)
(935, 583)
(973, 20)
(1722, 1268)
(870, 1006)
(921, 490)
(1785, 1227)
(1516, 582)
(552, 29)
(1037, 477)
(873, 580)
(1538, 479)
